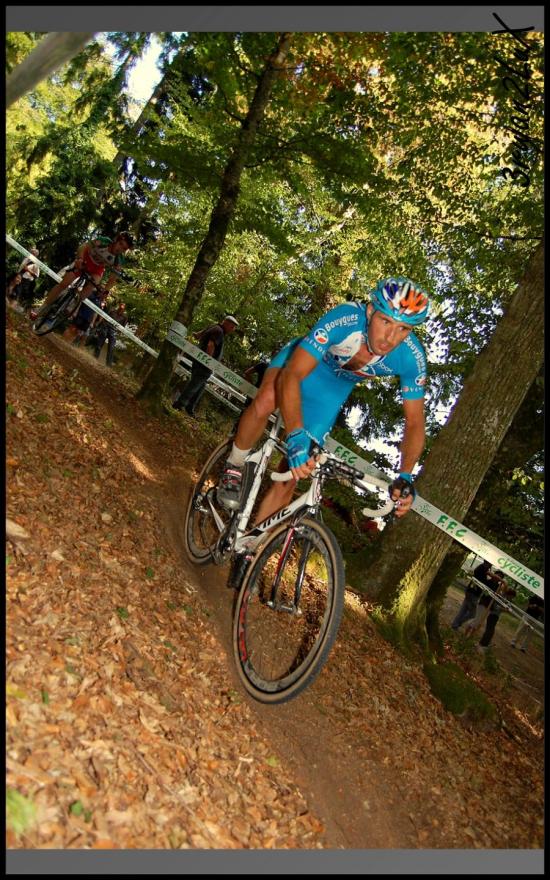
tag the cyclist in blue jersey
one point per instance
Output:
(310, 379)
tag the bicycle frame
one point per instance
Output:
(236, 538)
(248, 540)
(245, 540)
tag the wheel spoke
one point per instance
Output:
(288, 612)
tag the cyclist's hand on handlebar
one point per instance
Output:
(299, 473)
(300, 462)
(403, 493)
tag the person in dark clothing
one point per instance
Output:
(535, 611)
(257, 369)
(495, 581)
(472, 594)
(495, 610)
(85, 318)
(210, 341)
(107, 331)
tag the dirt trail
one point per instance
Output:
(376, 759)
(341, 790)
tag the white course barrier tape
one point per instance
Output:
(461, 533)
(92, 305)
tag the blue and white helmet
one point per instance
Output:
(402, 300)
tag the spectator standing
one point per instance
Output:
(495, 610)
(107, 331)
(495, 582)
(211, 341)
(534, 610)
(12, 284)
(30, 272)
(473, 592)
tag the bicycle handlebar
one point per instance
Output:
(84, 273)
(360, 480)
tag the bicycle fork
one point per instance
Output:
(285, 552)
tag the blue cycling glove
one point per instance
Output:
(404, 483)
(298, 443)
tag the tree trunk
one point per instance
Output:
(52, 52)
(524, 438)
(413, 549)
(157, 380)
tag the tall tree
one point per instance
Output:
(412, 550)
(222, 213)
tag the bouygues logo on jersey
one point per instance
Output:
(321, 336)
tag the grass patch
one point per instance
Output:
(21, 812)
(457, 692)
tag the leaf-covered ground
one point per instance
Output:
(126, 726)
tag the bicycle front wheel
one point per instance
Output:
(201, 529)
(288, 611)
(59, 310)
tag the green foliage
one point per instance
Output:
(379, 153)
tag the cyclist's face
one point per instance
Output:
(384, 333)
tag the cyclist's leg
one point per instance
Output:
(320, 408)
(253, 421)
(89, 288)
(251, 427)
(278, 495)
(58, 288)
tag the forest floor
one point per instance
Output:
(127, 727)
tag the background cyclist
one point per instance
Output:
(310, 379)
(94, 257)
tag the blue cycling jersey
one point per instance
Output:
(333, 341)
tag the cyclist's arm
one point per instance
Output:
(289, 399)
(116, 273)
(412, 445)
(78, 263)
(414, 435)
(110, 282)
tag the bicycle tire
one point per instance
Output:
(267, 640)
(200, 530)
(61, 308)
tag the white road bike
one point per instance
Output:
(291, 580)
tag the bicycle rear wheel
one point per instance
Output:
(288, 611)
(201, 530)
(63, 307)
